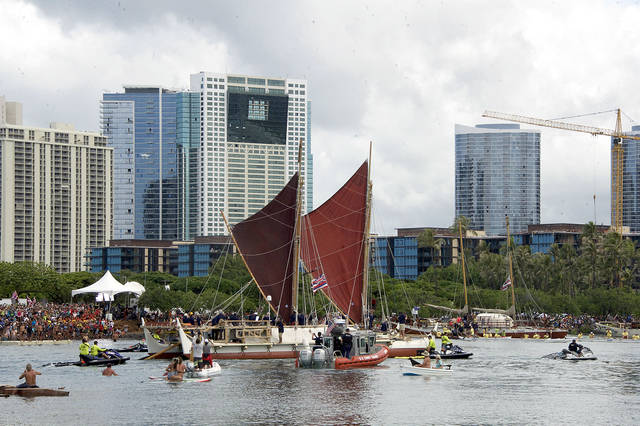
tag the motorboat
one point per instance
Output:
(455, 352)
(199, 373)
(138, 347)
(414, 370)
(365, 352)
(584, 355)
(113, 358)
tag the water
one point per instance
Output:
(505, 382)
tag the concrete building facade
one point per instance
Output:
(55, 199)
(250, 130)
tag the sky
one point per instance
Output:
(398, 74)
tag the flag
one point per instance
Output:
(318, 283)
(506, 284)
(14, 296)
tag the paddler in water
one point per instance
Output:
(176, 370)
(109, 371)
(29, 376)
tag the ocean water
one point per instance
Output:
(505, 382)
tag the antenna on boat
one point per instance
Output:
(513, 293)
(464, 272)
(296, 238)
(367, 225)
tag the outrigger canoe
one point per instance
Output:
(31, 392)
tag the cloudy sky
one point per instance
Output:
(400, 74)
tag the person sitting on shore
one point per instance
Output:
(109, 371)
(97, 351)
(29, 376)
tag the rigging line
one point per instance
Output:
(204, 285)
(215, 295)
(585, 115)
(626, 115)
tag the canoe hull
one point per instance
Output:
(360, 361)
(31, 392)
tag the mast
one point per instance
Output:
(464, 272)
(296, 238)
(365, 236)
(513, 293)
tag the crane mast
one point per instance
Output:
(617, 152)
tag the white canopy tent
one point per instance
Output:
(106, 287)
(134, 287)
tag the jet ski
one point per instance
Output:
(455, 352)
(138, 347)
(584, 355)
(114, 358)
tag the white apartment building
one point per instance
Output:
(55, 199)
(250, 130)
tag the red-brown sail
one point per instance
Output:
(333, 243)
(265, 240)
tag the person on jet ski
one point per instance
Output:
(575, 347)
(446, 344)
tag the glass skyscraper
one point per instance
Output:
(154, 133)
(630, 182)
(497, 175)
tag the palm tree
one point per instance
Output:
(591, 240)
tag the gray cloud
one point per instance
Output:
(399, 74)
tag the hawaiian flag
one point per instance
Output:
(318, 283)
(14, 296)
(506, 284)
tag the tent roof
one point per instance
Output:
(134, 287)
(107, 284)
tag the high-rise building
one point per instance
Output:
(497, 175)
(250, 130)
(155, 133)
(10, 112)
(55, 194)
(630, 182)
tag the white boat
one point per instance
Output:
(410, 370)
(199, 373)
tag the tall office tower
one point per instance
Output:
(630, 182)
(155, 135)
(55, 200)
(498, 175)
(249, 136)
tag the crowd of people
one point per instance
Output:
(51, 321)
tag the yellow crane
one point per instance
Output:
(616, 152)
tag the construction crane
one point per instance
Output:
(616, 152)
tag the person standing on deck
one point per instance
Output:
(206, 354)
(197, 348)
(347, 342)
(402, 319)
(29, 376)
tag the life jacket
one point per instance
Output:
(84, 348)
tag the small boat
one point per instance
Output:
(585, 355)
(138, 347)
(456, 352)
(114, 359)
(200, 373)
(365, 352)
(31, 392)
(186, 379)
(423, 371)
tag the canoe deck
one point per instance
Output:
(31, 392)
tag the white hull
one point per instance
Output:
(421, 371)
(205, 372)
